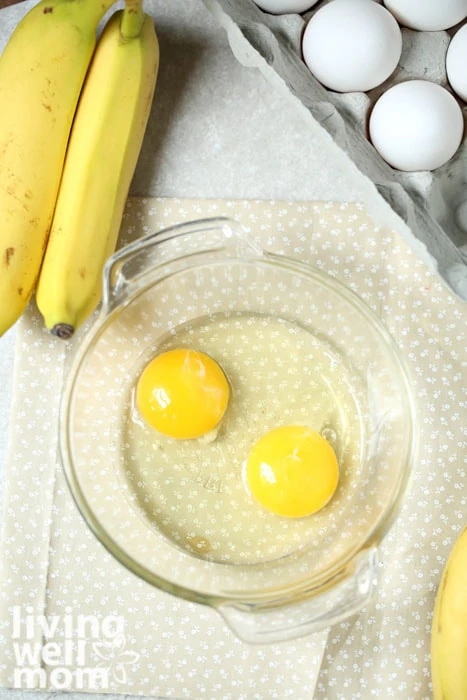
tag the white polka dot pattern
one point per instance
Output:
(51, 561)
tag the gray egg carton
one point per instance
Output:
(425, 201)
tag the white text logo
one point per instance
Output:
(83, 652)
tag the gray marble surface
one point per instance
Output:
(217, 129)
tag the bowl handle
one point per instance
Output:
(258, 623)
(131, 265)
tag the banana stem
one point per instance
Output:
(132, 19)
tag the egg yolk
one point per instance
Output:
(292, 471)
(182, 393)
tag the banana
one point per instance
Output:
(449, 630)
(42, 70)
(101, 159)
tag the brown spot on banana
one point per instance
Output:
(20, 291)
(47, 10)
(9, 252)
(445, 580)
(82, 273)
(11, 191)
(4, 146)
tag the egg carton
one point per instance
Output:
(432, 204)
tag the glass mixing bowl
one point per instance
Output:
(326, 570)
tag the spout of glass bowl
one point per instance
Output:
(338, 599)
(142, 263)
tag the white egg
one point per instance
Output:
(352, 45)
(456, 63)
(428, 15)
(416, 125)
(282, 7)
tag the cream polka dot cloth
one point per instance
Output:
(55, 575)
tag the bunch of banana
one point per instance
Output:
(42, 70)
(101, 158)
(66, 165)
(449, 630)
